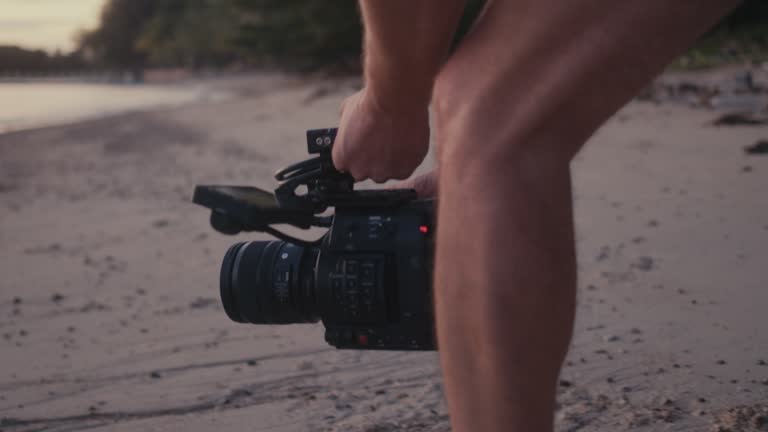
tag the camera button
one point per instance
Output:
(352, 230)
(283, 274)
(331, 336)
(351, 267)
(362, 339)
(346, 337)
(367, 271)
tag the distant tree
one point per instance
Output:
(740, 37)
(301, 33)
(113, 43)
(191, 33)
(309, 34)
(751, 13)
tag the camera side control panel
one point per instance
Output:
(365, 232)
(357, 287)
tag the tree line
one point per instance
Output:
(216, 33)
(299, 34)
(24, 62)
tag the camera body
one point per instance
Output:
(376, 270)
(368, 278)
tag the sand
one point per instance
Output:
(109, 310)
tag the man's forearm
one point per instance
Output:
(406, 43)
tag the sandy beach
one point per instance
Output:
(110, 317)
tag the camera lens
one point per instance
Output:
(269, 283)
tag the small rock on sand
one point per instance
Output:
(740, 119)
(644, 263)
(161, 223)
(758, 148)
(202, 302)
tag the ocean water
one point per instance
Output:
(30, 105)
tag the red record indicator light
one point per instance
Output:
(424, 229)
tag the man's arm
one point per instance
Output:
(384, 129)
(406, 43)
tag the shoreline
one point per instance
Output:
(694, 88)
(157, 96)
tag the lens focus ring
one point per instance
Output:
(268, 283)
(226, 287)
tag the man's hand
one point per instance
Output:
(384, 131)
(425, 185)
(380, 143)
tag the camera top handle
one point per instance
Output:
(241, 208)
(326, 186)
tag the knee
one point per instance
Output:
(485, 118)
(460, 127)
(474, 126)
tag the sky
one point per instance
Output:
(46, 24)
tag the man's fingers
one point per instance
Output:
(425, 185)
(359, 177)
(380, 176)
(338, 157)
(343, 107)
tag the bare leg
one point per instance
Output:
(514, 104)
